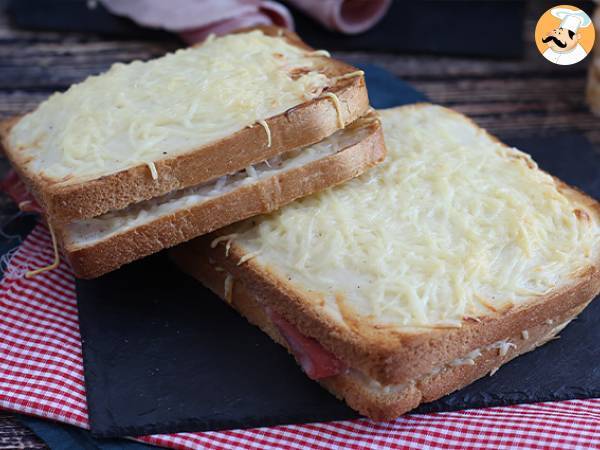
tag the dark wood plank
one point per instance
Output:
(15, 436)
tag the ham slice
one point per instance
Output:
(194, 20)
(316, 361)
(345, 16)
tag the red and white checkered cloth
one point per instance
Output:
(41, 373)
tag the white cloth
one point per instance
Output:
(566, 58)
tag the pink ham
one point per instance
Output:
(345, 16)
(194, 20)
(316, 361)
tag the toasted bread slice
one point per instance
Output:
(101, 244)
(454, 243)
(143, 130)
(362, 393)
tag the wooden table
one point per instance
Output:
(509, 97)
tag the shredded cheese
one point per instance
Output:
(228, 238)
(451, 225)
(56, 261)
(265, 125)
(218, 240)
(503, 347)
(247, 257)
(319, 53)
(251, 172)
(24, 205)
(153, 171)
(338, 107)
(138, 112)
(357, 73)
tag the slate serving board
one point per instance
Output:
(162, 354)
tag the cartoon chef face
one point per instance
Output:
(566, 36)
(561, 39)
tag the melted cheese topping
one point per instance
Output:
(144, 111)
(83, 233)
(453, 224)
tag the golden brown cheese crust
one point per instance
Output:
(357, 394)
(300, 126)
(246, 201)
(383, 353)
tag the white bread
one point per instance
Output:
(146, 129)
(101, 244)
(448, 196)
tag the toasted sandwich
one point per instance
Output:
(431, 270)
(150, 154)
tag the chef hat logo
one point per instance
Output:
(570, 19)
(565, 34)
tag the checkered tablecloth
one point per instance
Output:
(41, 373)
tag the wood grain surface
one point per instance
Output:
(509, 97)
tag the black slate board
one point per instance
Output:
(162, 354)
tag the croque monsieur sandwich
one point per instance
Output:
(151, 154)
(427, 272)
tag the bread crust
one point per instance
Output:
(263, 196)
(300, 126)
(391, 356)
(352, 388)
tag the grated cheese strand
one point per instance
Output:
(357, 73)
(265, 125)
(153, 171)
(319, 53)
(56, 261)
(218, 240)
(247, 257)
(25, 205)
(338, 107)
